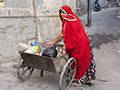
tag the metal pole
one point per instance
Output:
(89, 13)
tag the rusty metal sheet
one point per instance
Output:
(39, 62)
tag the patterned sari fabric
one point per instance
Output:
(90, 74)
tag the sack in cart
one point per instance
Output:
(50, 52)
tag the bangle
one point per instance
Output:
(54, 41)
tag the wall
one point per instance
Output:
(82, 6)
(18, 24)
(102, 2)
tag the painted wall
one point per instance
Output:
(18, 24)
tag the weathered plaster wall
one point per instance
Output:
(17, 24)
(102, 2)
(82, 6)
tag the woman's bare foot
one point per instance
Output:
(89, 82)
(76, 84)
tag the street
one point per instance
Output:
(105, 34)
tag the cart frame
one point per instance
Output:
(60, 65)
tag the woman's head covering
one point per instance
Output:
(70, 16)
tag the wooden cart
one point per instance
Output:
(60, 65)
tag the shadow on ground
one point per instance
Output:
(98, 39)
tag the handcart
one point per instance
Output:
(60, 65)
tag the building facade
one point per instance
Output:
(18, 24)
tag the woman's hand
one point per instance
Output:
(50, 43)
(55, 40)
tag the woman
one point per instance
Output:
(77, 45)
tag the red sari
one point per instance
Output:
(76, 41)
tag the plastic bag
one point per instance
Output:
(36, 44)
(34, 48)
(50, 52)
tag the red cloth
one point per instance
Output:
(76, 41)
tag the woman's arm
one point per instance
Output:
(58, 38)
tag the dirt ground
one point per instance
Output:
(9, 79)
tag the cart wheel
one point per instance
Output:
(67, 75)
(24, 72)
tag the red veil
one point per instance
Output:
(76, 40)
